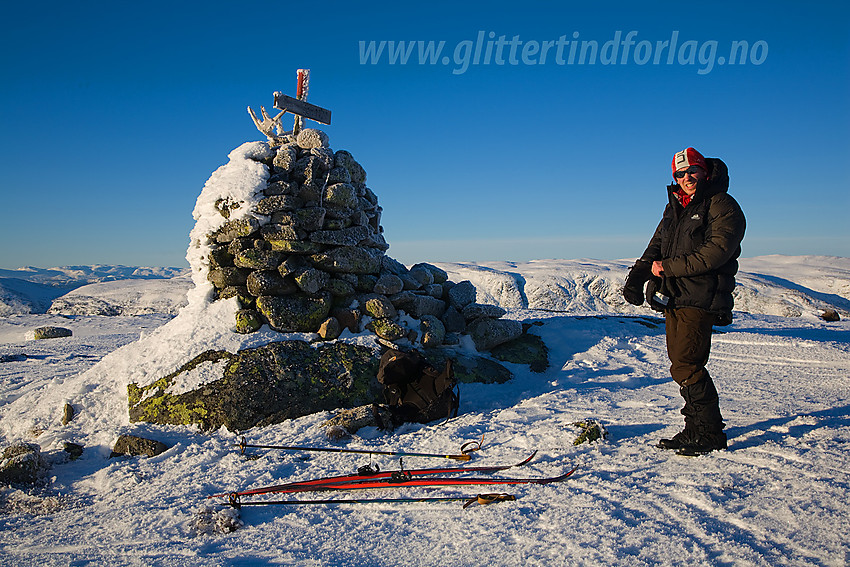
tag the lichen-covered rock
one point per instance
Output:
(330, 329)
(279, 381)
(339, 287)
(236, 229)
(418, 306)
(295, 313)
(309, 170)
(277, 231)
(22, 463)
(286, 157)
(422, 275)
(312, 138)
(479, 311)
(389, 284)
(387, 329)
(248, 321)
(297, 231)
(349, 259)
(526, 349)
(338, 175)
(312, 280)
(488, 333)
(280, 187)
(259, 259)
(462, 294)
(453, 320)
(380, 307)
(267, 282)
(344, 159)
(308, 219)
(354, 419)
(296, 246)
(433, 331)
(345, 237)
(277, 203)
(239, 291)
(50, 333)
(393, 266)
(341, 195)
(229, 276)
(439, 275)
(325, 155)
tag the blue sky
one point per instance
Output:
(114, 114)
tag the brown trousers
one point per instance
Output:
(688, 345)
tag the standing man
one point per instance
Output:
(689, 268)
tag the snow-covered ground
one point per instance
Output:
(777, 496)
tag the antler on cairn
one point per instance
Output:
(268, 125)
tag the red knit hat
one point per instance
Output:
(687, 158)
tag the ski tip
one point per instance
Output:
(564, 476)
(526, 461)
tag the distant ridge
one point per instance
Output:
(789, 286)
(33, 290)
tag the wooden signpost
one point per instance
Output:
(297, 106)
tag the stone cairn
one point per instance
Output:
(312, 258)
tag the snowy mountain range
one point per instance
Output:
(789, 286)
(129, 291)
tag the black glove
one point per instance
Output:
(638, 275)
(657, 301)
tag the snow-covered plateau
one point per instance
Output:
(777, 496)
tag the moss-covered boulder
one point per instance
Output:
(51, 333)
(525, 349)
(22, 464)
(261, 386)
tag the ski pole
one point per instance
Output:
(463, 456)
(482, 499)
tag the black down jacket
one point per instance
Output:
(699, 245)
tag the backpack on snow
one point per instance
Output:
(414, 390)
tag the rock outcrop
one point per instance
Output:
(22, 464)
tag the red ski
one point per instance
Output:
(389, 476)
(438, 481)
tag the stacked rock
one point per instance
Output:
(311, 257)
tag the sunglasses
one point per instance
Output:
(693, 170)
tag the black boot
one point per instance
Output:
(678, 441)
(688, 433)
(707, 430)
(703, 443)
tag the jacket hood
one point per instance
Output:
(717, 182)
